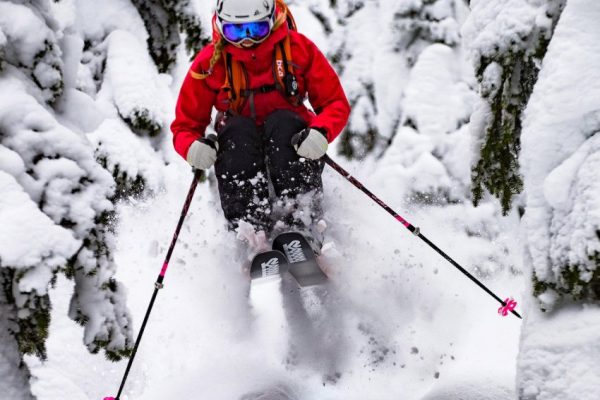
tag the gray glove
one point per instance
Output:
(203, 152)
(310, 143)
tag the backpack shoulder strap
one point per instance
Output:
(283, 66)
(283, 70)
(236, 76)
(236, 81)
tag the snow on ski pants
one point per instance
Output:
(262, 179)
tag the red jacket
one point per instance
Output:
(315, 77)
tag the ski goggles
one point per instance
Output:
(255, 31)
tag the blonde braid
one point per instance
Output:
(219, 45)
(218, 52)
(281, 19)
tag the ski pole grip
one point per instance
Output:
(212, 137)
(199, 174)
(299, 137)
(210, 140)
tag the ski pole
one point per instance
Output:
(507, 305)
(159, 281)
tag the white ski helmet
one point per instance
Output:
(240, 11)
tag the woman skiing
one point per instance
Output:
(256, 73)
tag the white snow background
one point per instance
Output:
(397, 322)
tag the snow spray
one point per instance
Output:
(159, 281)
(508, 305)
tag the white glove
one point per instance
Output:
(203, 153)
(310, 143)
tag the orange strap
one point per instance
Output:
(236, 81)
(236, 77)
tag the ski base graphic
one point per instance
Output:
(302, 262)
(268, 265)
(292, 253)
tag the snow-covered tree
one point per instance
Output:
(164, 20)
(508, 40)
(82, 111)
(58, 170)
(560, 160)
(57, 211)
(429, 154)
(36, 51)
(356, 45)
(2, 49)
(561, 191)
(417, 24)
(375, 47)
(421, 96)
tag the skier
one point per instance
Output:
(256, 73)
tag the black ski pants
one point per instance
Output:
(260, 176)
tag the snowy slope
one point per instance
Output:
(406, 322)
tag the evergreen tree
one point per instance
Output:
(15, 382)
(164, 20)
(560, 160)
(43, 63)
(61, 182)
(57, 169)
(375, 63)
(507, 69)
(353, 55)
(561, 204)
(423, 100)
(418, 24)
(3, 41)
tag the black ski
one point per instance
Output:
(268, 264)
(301, 259)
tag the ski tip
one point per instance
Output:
(109, 398)
(268, 263)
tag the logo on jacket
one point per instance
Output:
(293, 251)
(280, 70)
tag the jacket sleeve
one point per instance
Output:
(194, 105)
(325, 93)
